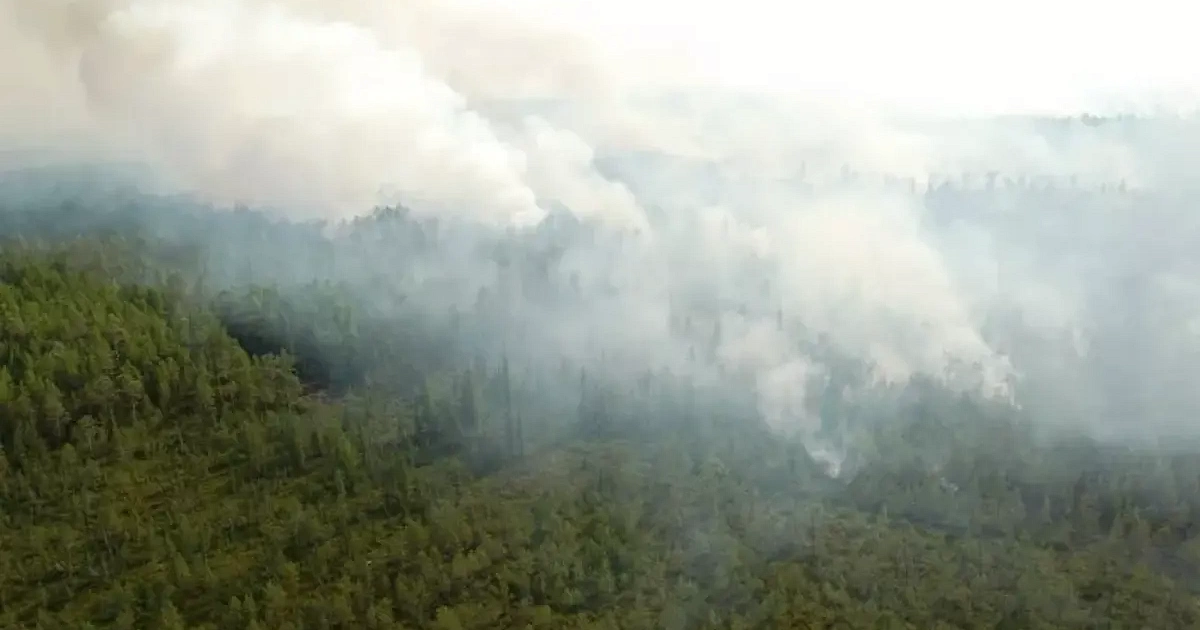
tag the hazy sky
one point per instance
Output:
(974, 57)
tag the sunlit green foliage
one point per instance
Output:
(344, 474)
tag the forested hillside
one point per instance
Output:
(197, 438)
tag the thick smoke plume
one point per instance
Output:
(735, 227)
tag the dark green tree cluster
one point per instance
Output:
(184, 453)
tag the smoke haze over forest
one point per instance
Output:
(565, 315)
(752, 204)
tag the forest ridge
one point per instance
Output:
(196, 440)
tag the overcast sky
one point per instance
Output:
(962, 57)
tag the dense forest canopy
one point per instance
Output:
(451, 314)
(227, 419)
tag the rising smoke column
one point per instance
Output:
(252, 103)
(489, 117)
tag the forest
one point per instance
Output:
(216, 420)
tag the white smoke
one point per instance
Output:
(496, 114)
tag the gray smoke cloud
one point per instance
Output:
(735, 207)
